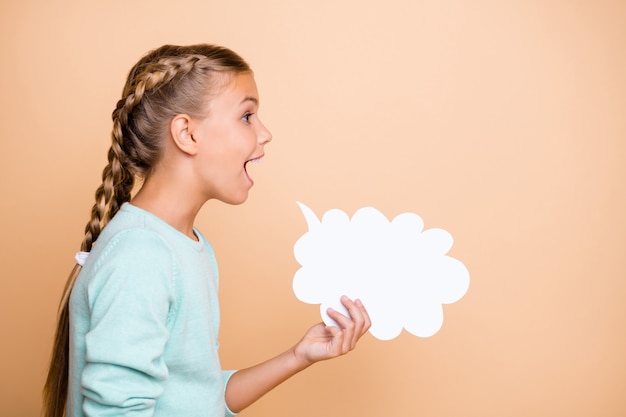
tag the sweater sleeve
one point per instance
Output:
(226, 377)
(131, 295)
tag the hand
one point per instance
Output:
(323, 342)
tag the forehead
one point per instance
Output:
(237, 89)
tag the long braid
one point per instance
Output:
(168, 81)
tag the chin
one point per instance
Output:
(235, 200)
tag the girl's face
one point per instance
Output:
(229, 138)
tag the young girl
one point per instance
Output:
(139, 319)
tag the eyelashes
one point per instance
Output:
(246, 117)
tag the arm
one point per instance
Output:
(129, 297)
(321, 342)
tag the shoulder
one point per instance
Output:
(132, 245)
(130, 238)
(132, 259)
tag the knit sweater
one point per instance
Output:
(144, 320)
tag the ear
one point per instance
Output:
(181, 134)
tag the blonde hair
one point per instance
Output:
(169, 80)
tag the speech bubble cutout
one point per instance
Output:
(398, 270)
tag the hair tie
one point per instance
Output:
(81, 258)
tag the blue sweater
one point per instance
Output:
(144, 320)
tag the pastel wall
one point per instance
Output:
(501, 122)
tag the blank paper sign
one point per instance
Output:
(400, 271)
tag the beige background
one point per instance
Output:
(502, 122)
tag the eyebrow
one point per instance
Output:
(252, 99)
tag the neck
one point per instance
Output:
(170, 203)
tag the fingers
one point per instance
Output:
(354, 326)
(323, 342)
(367, 322)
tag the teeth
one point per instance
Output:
(255, 160)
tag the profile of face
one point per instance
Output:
(229, 138)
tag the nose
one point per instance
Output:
(264, 135)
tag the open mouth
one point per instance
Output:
(253, 160)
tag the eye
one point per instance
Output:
(246, 117)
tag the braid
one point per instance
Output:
(159, 73)
(117, 184)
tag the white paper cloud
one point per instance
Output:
(399, 271)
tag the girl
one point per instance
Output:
(137, 332)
